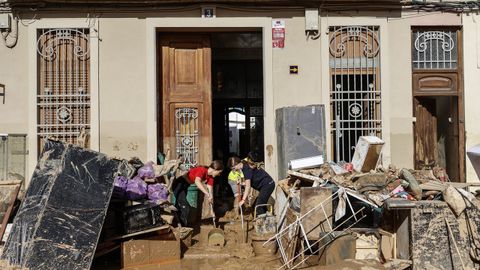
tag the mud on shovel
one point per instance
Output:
(216, 236)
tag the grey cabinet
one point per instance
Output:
(300, 133)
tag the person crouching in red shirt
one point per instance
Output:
(196, 176)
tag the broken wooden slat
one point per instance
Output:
(140, 233)
(305, 176)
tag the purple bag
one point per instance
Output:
(157, 192)
(120, 187)
(146, 171)
(136, 189)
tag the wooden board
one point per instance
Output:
(316, 222)
(140, 233)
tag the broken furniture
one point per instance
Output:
(150, 249)
(429, 234)
(59, 221)
(8, 194)
(293, 230)
(142, 217)
(367, 152)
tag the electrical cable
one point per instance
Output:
(10, 37)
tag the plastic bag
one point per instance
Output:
(136, 189)
(157, 192)
(146, 171)
(120, 187)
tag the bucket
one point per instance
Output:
(216, 237)
(192, 196)
(257, 243)
(192, 200)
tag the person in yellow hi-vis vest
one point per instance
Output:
(235, 179)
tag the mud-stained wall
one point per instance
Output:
(122, 87)
(124, 66)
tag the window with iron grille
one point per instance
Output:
(355, 91)
(63, 94)
(434, 49)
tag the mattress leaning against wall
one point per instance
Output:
(59, 222)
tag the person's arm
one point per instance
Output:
(247, 191)
(210, 193)
(198, 182)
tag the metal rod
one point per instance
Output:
(303, 216)
(305, 238)
(329, 233)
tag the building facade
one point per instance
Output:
(179, 77)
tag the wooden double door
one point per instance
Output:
(184, 100)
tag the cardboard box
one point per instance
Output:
(154, 249)
(367, 153)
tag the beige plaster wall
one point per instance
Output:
(14, 75)
(471, 45)
(400, 87)
(303, 88)
(126, 78)
(122, 87)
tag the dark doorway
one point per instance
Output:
(436, 134)
(237, 94)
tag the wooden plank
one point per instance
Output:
(425, 129)
(13, 197)
(290, 243)
(139, 233)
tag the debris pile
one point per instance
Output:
(335, 211)
(82, 205)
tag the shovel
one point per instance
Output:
(241, 210)
(213, 216)
(216, 236)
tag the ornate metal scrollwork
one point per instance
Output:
(346, 34)
(447, 41)
(186, 133)
(48, 42)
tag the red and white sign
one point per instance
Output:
(278, 33)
